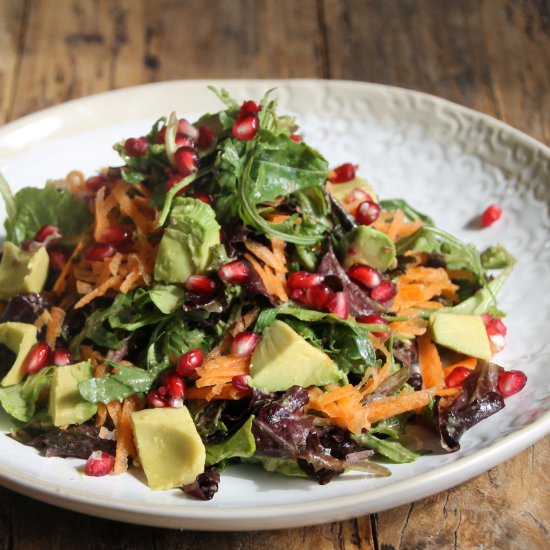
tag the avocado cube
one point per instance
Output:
(66, 405)
(19, 338)
(341, 190)
(284, 359)
(366, 245)
(461, 333)
(22, 271)
(169, 447)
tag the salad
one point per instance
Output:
(224, 296)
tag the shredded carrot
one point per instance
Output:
(266, 255)
(101, 415)
(111, 282)
(273, 285)
(55, 326)
(60, 283)
(124, 437)
(218, 373)
(448, 392)
(245, 321)
(430, 362)
(42, 319)
(393, 223)
(391, 406)
(468, 362)
(226, 392)
(411, 327)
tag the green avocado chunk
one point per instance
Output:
(19, 338)
(22, 271)
(342, 190)
(169, 447)
(186, 245)
(366, 245)
(66, 405)
(283, 359)
(461, 333)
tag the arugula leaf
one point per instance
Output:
(407, 209)
(168, 298)
(239, 445)
(224, 97)
(390, 448)
(497, 257)
(20, 400)
(36, 207)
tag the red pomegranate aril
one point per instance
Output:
(62, 357)
(246, 127)
(296, 138)
(95, 183)
(367, 212)
(204, 197)
(174, 385)
(303, 279)
(300, 295)
(373, 319)
(136, 147)
(185, 127)
(365, 275)
(235, 272)
(511, 382)
(38, 357)
(343, 173)
(490, 215)
(357, 194)
(160, 137)
(189, 362)
(58, 258)
(384, 292)
(49, 232)
(339, 305)
(100, 251)
(457, 376)
(175, 402)
(99, 464)
(184, 141)
(174, 180)
(320, 295)
(186, 160)
(116, 235)
(241, 382)
(249, 107)
(155, 400)
(494, 325)
(201, 285)
(244, 343)
(206, 138)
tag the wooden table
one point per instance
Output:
(492, 55)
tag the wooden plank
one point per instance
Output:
(79, 47)
(12, 28)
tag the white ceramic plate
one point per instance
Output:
(447, 160)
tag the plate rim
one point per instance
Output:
(280, 515)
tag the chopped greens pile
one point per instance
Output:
(225, 296)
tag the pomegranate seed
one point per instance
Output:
(367, 212)
(184, 141)
(174, 180)
(185, 127)
(116, 235)
(343, 173)
(303, 279)
(186, 160)
(206, 138)
(246, 127)
(160, 137)
(511, 382)
(320, 295)
(491, 214)
(339, 305)
(357, 194)
(100, 251)
(249, 107)
(58, 258)
(300, 295)
(244, 343)
(201, 285)
(175, 402)
(241, 382)
(38, 357)
(457, 376)
(296, 138)
(155, 399)
(204, 197)
(365, 275)
(175, 386)
(95, 183)
(375, 320)
(189, 362)
(136, 147)
(494, 325)
(99, 464)
(496, 343)
(49, 232)
(235, 272)
(162, 391)
(62, 357)
(384, 292)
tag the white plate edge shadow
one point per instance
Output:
(321, 510)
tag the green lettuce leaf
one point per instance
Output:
(239, 445)
(390, 448)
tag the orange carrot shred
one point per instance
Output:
(430, 363)
(55, 325)
(468, 362)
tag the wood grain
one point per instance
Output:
(492, 55)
